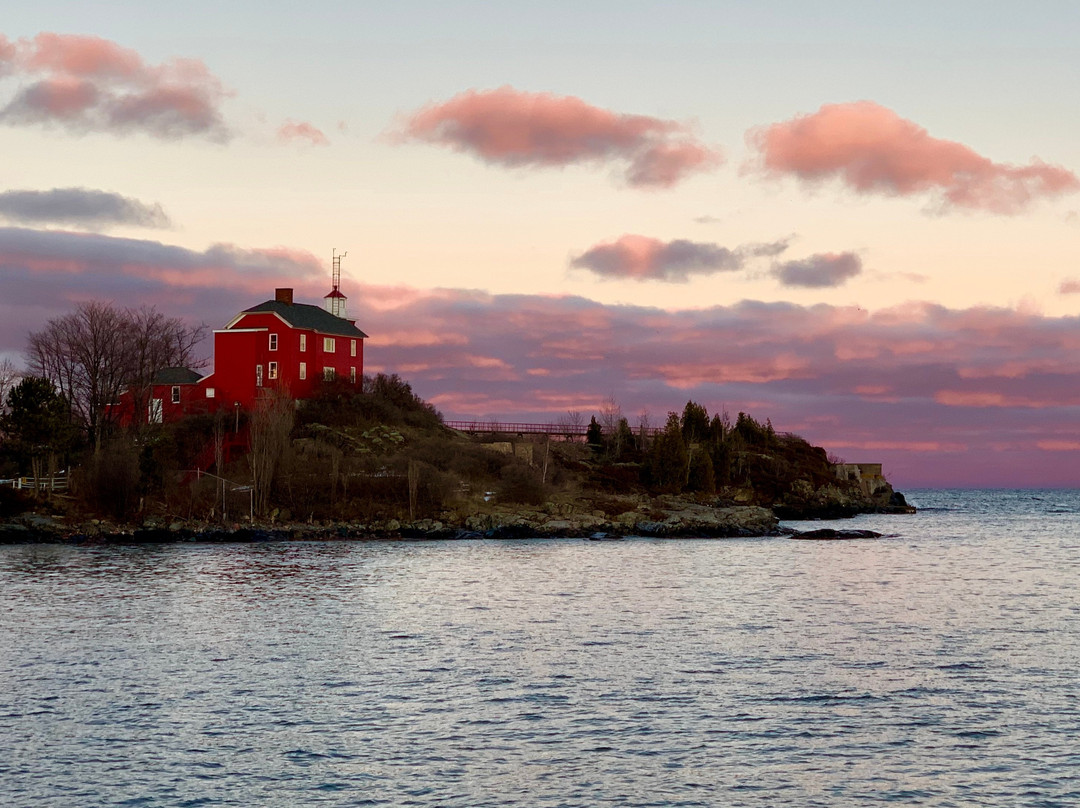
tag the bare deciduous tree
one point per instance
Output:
(9, 377)
(573, 423)
(271, 422)
(610, 413)
(98, 351)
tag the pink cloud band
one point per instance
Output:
(984, 386)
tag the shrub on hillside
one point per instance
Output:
(520, 485)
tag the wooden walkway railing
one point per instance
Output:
(515, 428)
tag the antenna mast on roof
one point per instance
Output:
(335, 300)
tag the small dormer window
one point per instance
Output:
(273, 342)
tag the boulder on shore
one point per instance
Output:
(829, 534)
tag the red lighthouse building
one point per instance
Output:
(285, 345)
(278, 344)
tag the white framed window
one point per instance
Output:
(352, 375)
(273, 342)
(303, 370)
(303, 342)
(328, 344)
(328, 374)
(176, 394)
(352, 348)
(153, 412)
(271, 370)
(209, 392)
(258, 375)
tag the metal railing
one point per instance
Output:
(514, 428)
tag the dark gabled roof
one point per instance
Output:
(176, 376)
(304, 315)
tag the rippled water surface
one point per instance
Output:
(940, 666)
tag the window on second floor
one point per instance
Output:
(353, 348)
(303, 342)
(176, 394)
(328, 344)
(273, 342)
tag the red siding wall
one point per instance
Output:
(239, 350)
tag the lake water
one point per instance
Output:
(940, 666)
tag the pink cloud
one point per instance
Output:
(1070, 287)
(302, 130)
(85, 84)
(514, 128)
(871, 149)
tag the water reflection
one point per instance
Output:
(937, 668)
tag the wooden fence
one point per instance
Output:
(56, 482)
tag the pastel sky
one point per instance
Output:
(860, 220)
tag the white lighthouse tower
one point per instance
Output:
(335, 301)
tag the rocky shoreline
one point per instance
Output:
(672, 519)
(660, 517)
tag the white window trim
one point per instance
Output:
(353, 348)
(175, 395)
(303, 342)
(329, 345)
(303, 371)
(210, 392)
(273, 342)
(271, 370)
(258, 375)
(352, 375)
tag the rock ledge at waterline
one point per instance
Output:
(672, 519)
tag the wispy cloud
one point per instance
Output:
(89, 84)
(291, 131)
(643, 258)
(510, 127)
(79, 207)
(871, 149)
(819, 271)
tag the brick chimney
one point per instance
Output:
(283, 296)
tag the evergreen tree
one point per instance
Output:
(701, 477)
(594, 435)
(695, 423)
(668, 460)
(623, 445)
(37, 425)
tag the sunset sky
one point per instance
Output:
(859, 220)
